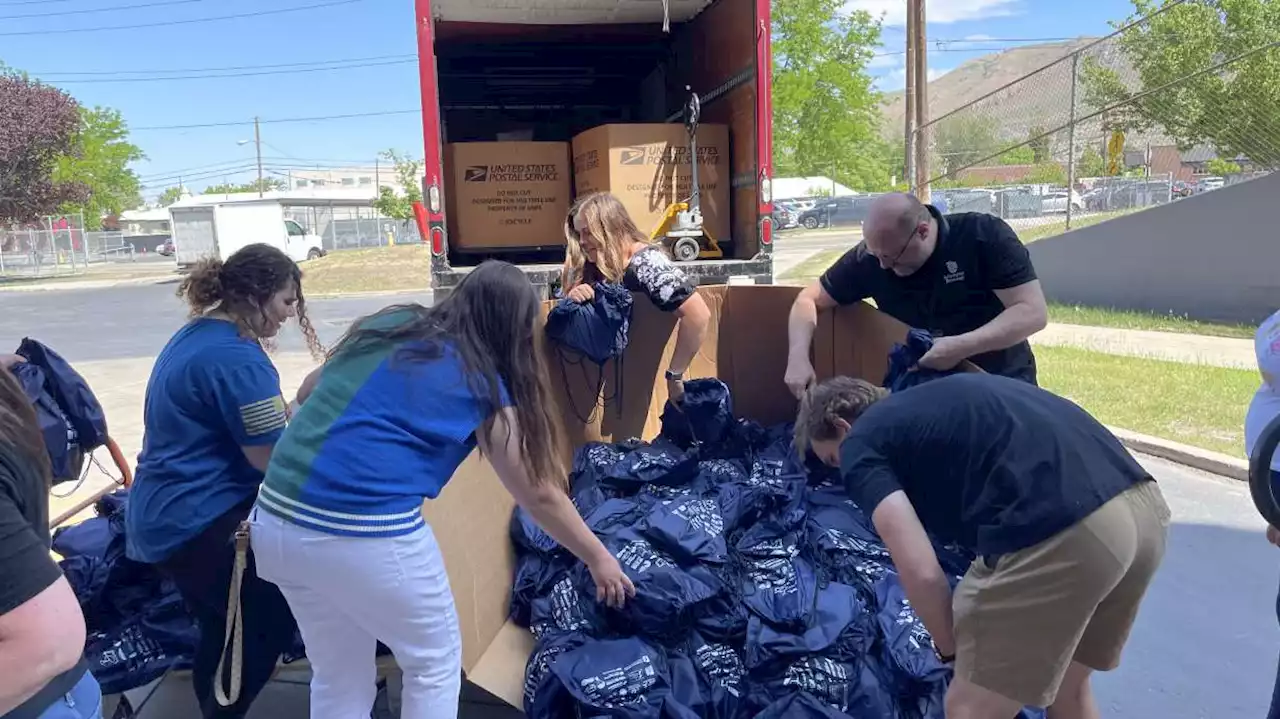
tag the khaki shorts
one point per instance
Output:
(1073, 597)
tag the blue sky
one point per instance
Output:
(56, 48)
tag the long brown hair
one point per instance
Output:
(19, 427)
(493, 319)
(243, 284)
(611, 224)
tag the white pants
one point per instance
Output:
(348, 593)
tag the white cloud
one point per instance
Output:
(978, 38)
(936, 11)
(896, 79)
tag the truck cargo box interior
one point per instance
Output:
(562, 68)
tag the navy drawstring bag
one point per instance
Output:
(904, 358)
(721, 675)
(690, 529)
(70, 417)
(669, 598)
(802, 705)
(705, 415)
(597, 330)
(838, 627)
(625, 678)
(659, 463)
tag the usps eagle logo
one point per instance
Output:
(952, 267)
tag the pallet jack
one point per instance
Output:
(681, 229)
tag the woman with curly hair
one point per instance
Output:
(212, 415)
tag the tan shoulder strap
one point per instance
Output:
(233, 639)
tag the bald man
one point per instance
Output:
(966, 278)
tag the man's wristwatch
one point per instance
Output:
(673, 376)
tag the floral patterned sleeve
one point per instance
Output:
(657, 277)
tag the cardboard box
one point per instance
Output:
(506, 195)
(648, 168)
(471, 516)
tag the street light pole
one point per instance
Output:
(257, 140)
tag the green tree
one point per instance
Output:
(399, 206)
(965, 140)
(171, 195)
(1232, 108)
(1018, 156)
(826, 110)
(268, 184)
(1091, 164)
(1047, 173)
(99, 160)
(1039, 144)
(1219, 166)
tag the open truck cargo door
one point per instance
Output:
(471, 517)
(550, 70)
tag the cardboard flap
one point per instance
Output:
(471, 520)
(500, 670)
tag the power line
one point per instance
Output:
(191, 21)
(89, 11)
(229, 68)
(233, 74)
(281, 120)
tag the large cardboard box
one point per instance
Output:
(506, 195)
(648, 168)
(745, 347)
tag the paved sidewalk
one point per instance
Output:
(1193, 349)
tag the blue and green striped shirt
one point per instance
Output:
(379, 433)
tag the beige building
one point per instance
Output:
(344, 178)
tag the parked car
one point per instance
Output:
(782, 217)
(1183, 189)
(839, 212)
(166, 248)
(1057, 201)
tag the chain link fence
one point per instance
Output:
(56, 246)
(1112, 127)
(349, 228)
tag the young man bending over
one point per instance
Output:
(1067, 527)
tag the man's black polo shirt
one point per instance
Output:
(952, 293)
(990, 463)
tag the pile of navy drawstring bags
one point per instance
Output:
(761, 589)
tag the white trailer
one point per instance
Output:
(217, 226)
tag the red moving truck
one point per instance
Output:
(547, 70)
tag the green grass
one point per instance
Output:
(808, 271)
(812, 268)
(1131, 320)
(1193, 404)
(378, 269)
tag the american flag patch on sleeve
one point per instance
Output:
(264, 417)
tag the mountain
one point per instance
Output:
(1018, 89)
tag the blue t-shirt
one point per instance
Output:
(381, 431)
(211, 392)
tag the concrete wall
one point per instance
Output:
(1213, 257)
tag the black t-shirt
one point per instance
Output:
(952, 293)
(991, 463)
(26, 569)
(653, 274)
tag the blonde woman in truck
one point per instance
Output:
(403, 399)
(603, 244)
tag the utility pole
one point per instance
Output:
(257, 140)
(921, 101)
(909, 96)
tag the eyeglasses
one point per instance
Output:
(901, 252)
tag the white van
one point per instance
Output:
(218, 225)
